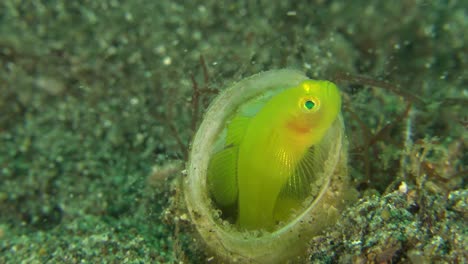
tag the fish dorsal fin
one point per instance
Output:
(222, 176)
(222, 169)
(253, 106)
(236, 130)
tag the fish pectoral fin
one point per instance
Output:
(298, 184)
(222, 176)
(301, 184)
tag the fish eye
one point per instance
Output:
(309, 104)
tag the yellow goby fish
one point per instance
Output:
(271, 153)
